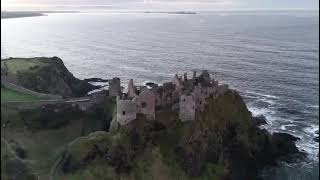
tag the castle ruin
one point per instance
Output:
(182, 94)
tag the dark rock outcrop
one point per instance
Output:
(285, 143)
(260, 120)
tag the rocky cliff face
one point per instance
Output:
(222, 143)
(46, 75)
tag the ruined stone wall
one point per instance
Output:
(114, 87)
(177, 81)
(166, 94)
(215, 83)
(187, 108)
(201, 94)
(146, 102)
(126, 111)
(199, 98)
(132, 90)
(222, 89)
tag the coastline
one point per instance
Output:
(22, 14)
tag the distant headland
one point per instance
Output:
(20, 14)
(171, 12)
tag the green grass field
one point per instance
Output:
(11, 95)
(20, 64)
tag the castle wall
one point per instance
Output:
(187, 108)
(222, 89)
(201, 94)
(126, 111)
(132, 90)
(177, 81)
(166, 94)
(146, 102)
(114, 87)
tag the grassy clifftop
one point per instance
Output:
(16, 65)
(43, 75)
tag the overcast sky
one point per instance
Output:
(180, 4)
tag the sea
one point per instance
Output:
(270, 57)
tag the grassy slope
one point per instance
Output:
(14, 66)
(152, 164)
(43, 147)
(155, 162)
(20, 64)
(11, 95)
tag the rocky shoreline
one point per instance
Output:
(222, 141)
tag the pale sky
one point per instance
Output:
(163, 4)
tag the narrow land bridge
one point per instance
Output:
(82, 102)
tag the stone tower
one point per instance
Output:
(126, 111)
(194, 76)
(132, 90)
(114, 87)
(187, 107)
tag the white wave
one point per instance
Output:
(313, 106)
(275, 124)
(263, 95)
(248, 96)
(309, 146)
(307, 143)
(97, 90)
(260, 111)
(99, 83)
(312, 129)
(269, 101)
(285, 127)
